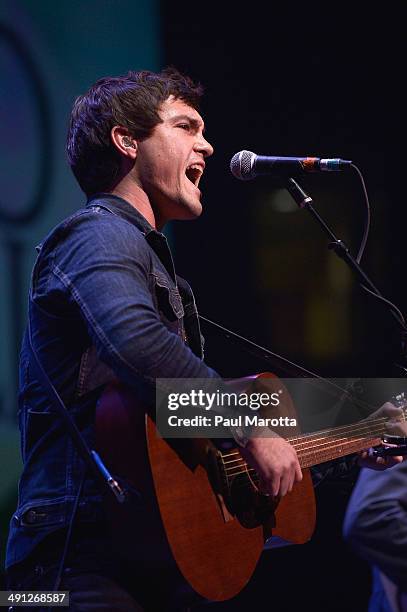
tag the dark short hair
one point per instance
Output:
(131, 101)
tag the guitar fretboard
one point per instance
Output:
(321, 446)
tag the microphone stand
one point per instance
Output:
(339, 247)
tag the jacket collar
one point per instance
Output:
(122, 208)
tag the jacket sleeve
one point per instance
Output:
(103, 265)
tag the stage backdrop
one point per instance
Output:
(50, 52)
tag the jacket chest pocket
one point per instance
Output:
(37, 427)
(168, 302)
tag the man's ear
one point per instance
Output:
(123, 142)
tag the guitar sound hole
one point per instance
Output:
(250, 508)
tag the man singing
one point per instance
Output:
(106, 305)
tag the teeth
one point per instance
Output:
(194, 173)
(195, 167)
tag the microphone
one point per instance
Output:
(246, 165)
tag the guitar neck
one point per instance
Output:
(329, 444)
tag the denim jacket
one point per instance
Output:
(105, 304)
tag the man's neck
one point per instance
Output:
(134, 195)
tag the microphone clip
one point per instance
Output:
(300, 197)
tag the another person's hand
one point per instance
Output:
(394, 416)
(395, 425)
(368, 460)
(275, 462)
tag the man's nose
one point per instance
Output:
(204, 147)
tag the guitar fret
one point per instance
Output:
(314, 457)
(321, 446)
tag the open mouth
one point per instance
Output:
(194, 173)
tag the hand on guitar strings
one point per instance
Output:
(368, 459)
(275, 462)
(395, 425)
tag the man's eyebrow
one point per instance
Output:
(194, 122)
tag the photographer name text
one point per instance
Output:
(239, 421)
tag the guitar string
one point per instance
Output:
(320, 450)
(332, 431)
(312, 451)
(307, 449)
(302, 456)
(252, 475)
(250, 472)
(314, 436)
(303, 446)
(325, 440)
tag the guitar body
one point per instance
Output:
(214, 532)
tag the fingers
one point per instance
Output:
(366, 459)
(270, 486)
(276, 463)
(292, 475)
(390, 461)
(387, 410)
(395, 423)
(298, 472)
(283, 473)
(277, 485)
(382, 463)
(396, 428)
(286, 483)
(392, 409)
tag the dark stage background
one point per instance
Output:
(297, 80)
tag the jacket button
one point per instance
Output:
(30, 516)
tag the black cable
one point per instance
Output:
(69, 533)
(386, 301)
(367, 218)
(91, 457)
(363, 245)
(339, 247)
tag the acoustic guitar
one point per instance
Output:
(201, 506)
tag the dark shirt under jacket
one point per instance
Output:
(105, 304)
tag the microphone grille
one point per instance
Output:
(241, 165)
